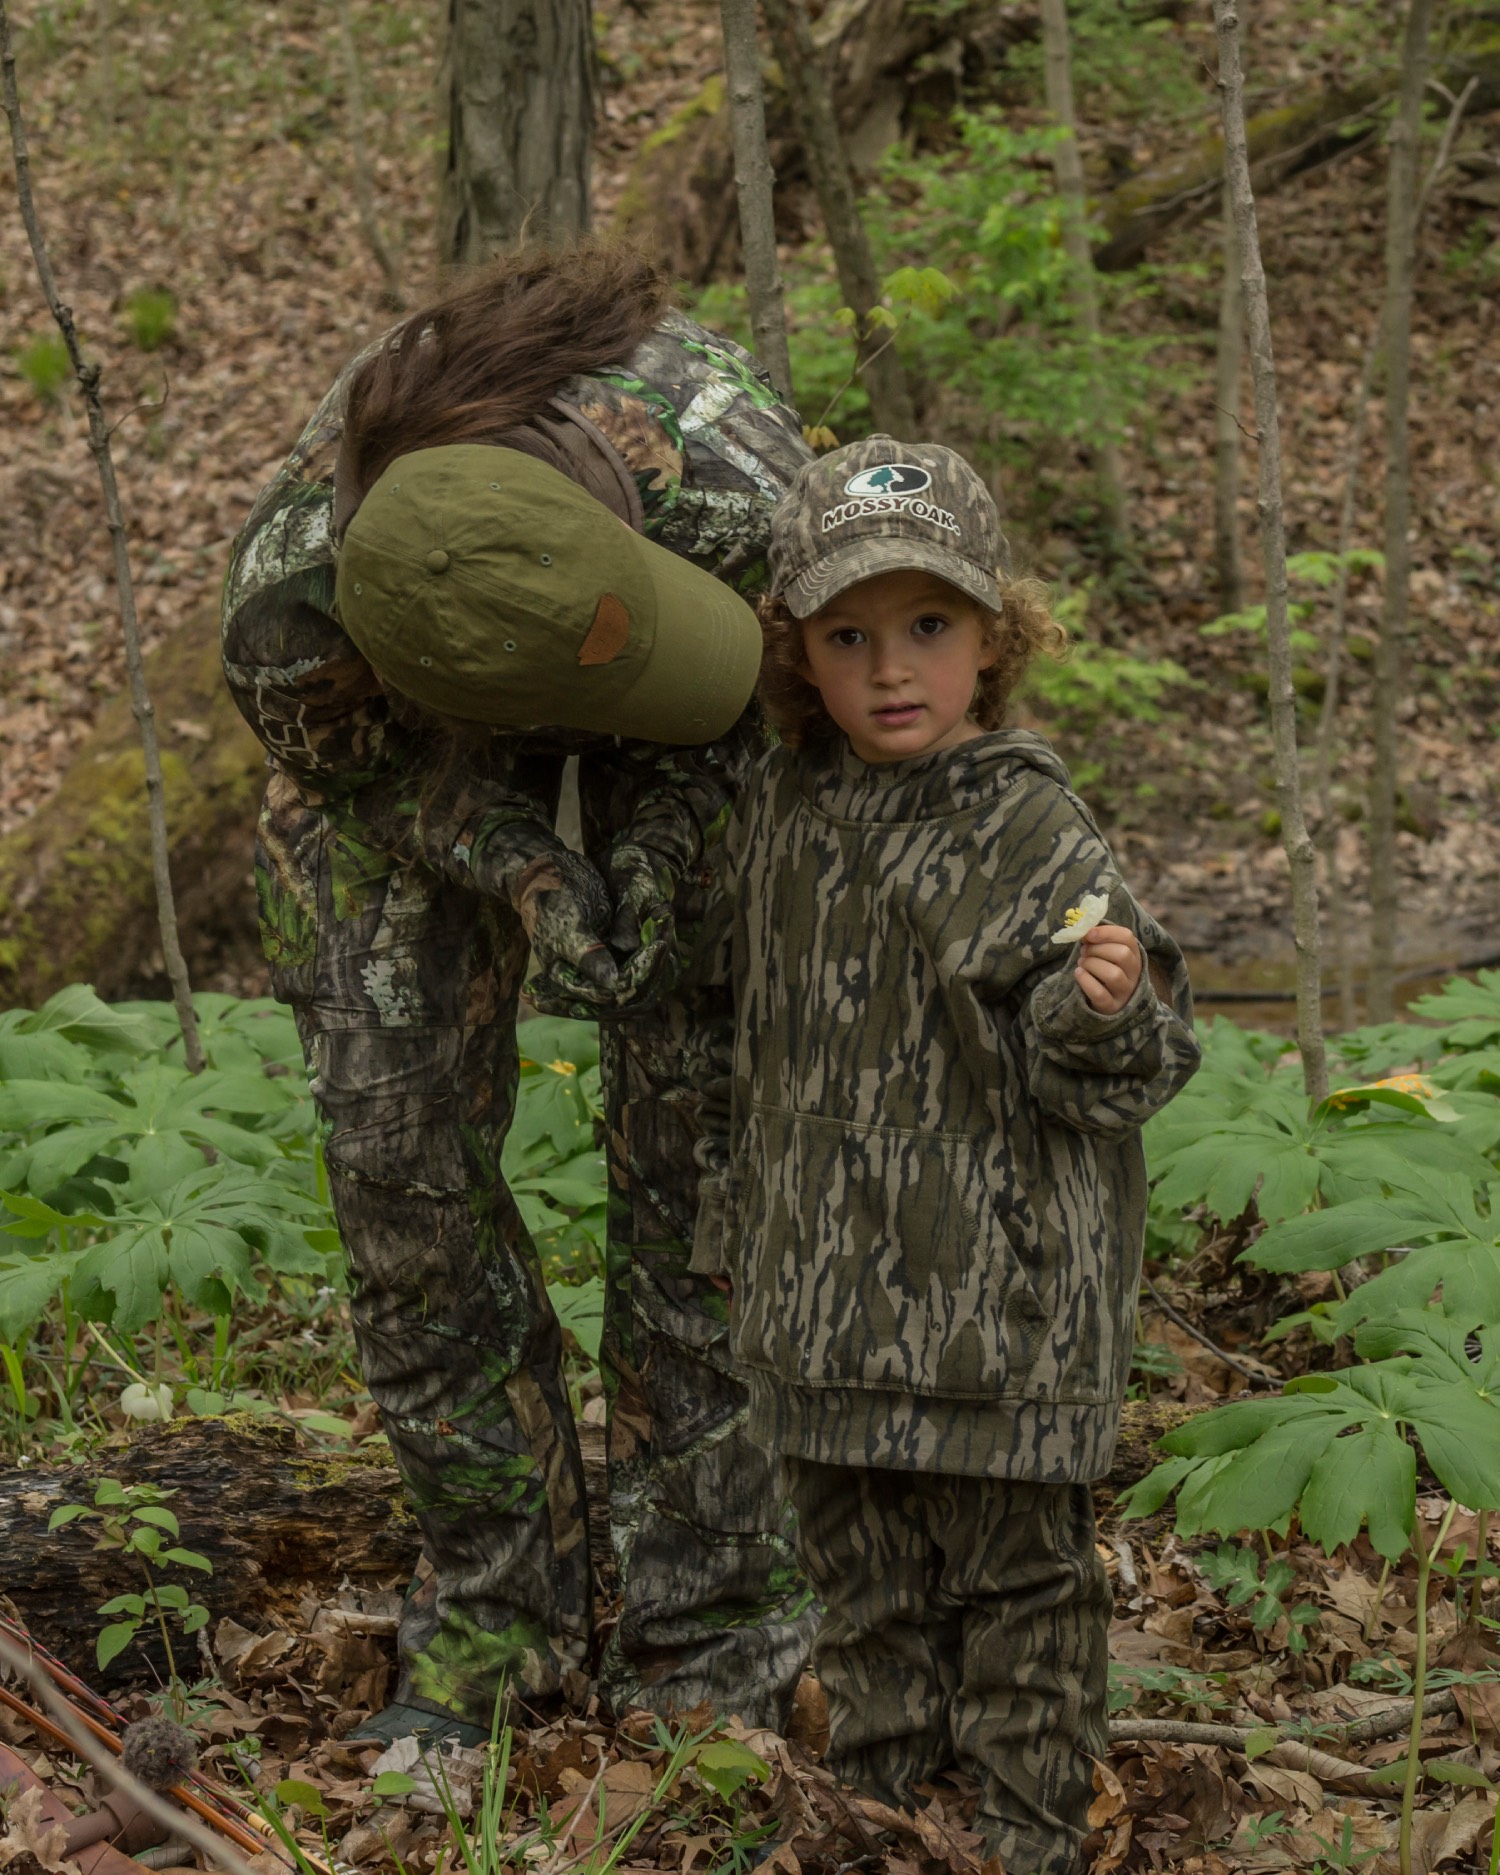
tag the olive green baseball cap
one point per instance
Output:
(486, 585)
(879, 506)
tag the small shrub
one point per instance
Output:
(44, 363)
(151, 317)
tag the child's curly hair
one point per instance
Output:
(1023, 629)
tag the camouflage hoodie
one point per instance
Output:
(936, 1193)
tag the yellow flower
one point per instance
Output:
(563, 1067)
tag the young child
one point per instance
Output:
(946, 1041)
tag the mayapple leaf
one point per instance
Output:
(1327, 1240)
(1260, 1485)
(1369, 1476)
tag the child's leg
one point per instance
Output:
(1029, 1714)
(887, 1652)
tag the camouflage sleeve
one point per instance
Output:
(710, 1055)
(1107, 1074)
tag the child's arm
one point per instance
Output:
(1108, 1036)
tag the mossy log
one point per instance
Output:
(279, 1520)
(76, 899)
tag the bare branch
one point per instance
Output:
(753, 182)
(1301, 859)
(140, 698)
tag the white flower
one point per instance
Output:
(1078, 922)
(140, 1401)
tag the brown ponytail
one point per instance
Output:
(496, 347)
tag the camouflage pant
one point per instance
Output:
(405, 991)
(967, 1625)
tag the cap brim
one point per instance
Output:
(846, 566)
(704, 661)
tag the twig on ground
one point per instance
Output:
(1385, 1723)
(140, 699)
(1220, 1354)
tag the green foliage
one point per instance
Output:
(1129, 61)
(124, 1176)
(133, 1520)
(151, 317)
(44, 363)
(1320, 570)
(1237, 1574)
(1097, 684)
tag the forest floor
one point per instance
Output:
(203, 150)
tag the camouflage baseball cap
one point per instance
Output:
(880, 506)
(487, 585)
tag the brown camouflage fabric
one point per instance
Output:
(401, 876)
(935, 1210)
(967, 1628)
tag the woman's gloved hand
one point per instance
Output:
(642, 943)
(564, 907)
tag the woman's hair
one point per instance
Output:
(1021, 630)
(488, 354)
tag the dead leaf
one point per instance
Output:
(30, 1838)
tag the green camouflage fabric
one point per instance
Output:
(402, 875)
(968, 1628)
(934, 1212)
(880, 506)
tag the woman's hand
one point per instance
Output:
(1110, 962)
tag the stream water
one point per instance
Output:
(1260, 993)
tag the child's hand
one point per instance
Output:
(1109, 967)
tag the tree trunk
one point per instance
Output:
(277, 1519)
(1400, 254)
(1227, 361)
(1299, 847)
(76, 897)
(879, 365)
(518, 79)
(753, 180)
(1067, 166)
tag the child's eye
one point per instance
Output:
(850, 635)
(929, 625)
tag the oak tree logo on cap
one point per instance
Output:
(889, 478)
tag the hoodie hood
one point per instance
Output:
(928, 787)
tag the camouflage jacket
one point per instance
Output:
(710, 449)
(934, 1208)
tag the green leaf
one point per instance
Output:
(170, 1595)
(580, 1309)
(114, 1640)
(1145, 1497)
(146, 1542)
(163, 1519)
(110, 1491)
(726, 1766)
(1262, 1483)
(194, 1618)
(1371, 1475)
(1446, 1771)
(393, 1784)
(1263, 1739)
(306, 1796)
(124, 1605)
(189, 1559)
(66, 1513)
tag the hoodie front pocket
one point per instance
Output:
(872, 1257)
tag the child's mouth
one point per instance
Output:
(898, 715)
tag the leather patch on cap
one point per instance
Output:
(607, 634)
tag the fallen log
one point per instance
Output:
(76, 898)
(885, 57)
(279, 1520)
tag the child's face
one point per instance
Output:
(896, 659)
